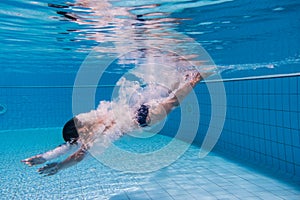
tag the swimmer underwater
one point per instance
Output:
(80, 134)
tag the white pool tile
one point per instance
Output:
(181, 197)
(290, 197)
(189, 177)
(268, 195)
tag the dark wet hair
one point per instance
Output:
(70, 133)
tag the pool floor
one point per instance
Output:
(189, 177)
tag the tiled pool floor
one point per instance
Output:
(188, 178)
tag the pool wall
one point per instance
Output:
(40, 106)
(261, 126)
(262, 122)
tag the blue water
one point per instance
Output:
(44, 44)
(38, 42)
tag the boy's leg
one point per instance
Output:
(162, 110)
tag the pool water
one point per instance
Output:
(45, 45)
(190, 177)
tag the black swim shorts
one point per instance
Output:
(141, 116)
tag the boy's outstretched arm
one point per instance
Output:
(49, 155)
(53, 168)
